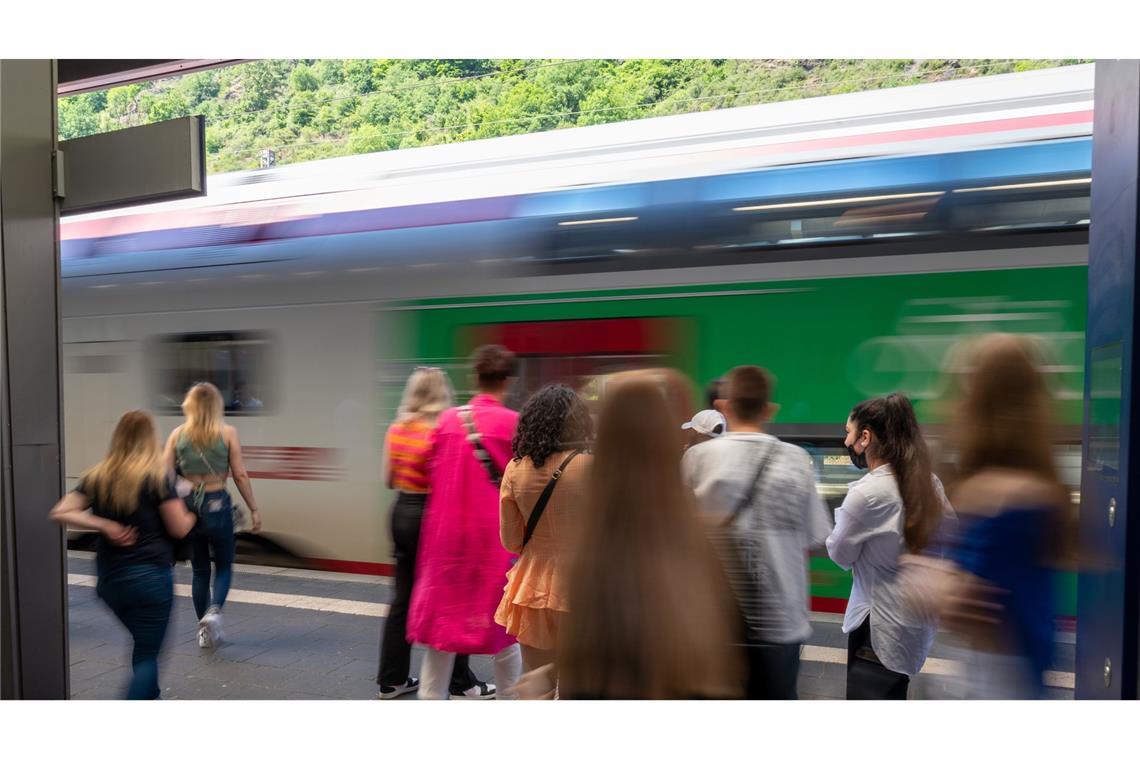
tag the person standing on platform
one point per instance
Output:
(761, 492)
(407, 445)
(714, 394)
(1016, 523)
(462, 564)
(129, 500)
(894, 509)
(540, 505)
(651, 615)
(206, 452)
(705, 425)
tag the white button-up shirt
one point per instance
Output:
(868, 539)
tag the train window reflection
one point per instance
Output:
(238, 363)
(1023, 213)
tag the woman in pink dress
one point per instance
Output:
(462, 565)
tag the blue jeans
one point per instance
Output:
(213, 533)
(141, 597)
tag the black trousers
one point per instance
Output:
(395, 651)
(866, 676)
(772, 670)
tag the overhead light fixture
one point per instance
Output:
(1026, 185)
(607, 220)
(841, 201)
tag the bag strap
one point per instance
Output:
(751, 493)
(544, 497)
(466, 416)
(205, 461)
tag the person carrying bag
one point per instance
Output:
(542, 494)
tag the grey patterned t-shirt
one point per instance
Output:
(787, 517)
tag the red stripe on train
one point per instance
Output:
(349, 566)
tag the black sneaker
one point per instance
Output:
(478, 691)
(391, 692)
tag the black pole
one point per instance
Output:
(33, 559)
(1108, 592)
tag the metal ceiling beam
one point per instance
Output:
(87, 75)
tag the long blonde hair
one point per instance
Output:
(134, 461)
(203, 407)
(651, 614)
(427, 393)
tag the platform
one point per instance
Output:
(299, 634)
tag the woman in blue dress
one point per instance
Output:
(1014, 522)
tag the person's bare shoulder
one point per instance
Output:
(994, 490)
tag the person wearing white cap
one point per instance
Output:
(705, 425)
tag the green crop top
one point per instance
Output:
(212, 460)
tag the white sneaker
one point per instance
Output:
(204, 635)
(391, 692)
(478, 691)
(213, 622)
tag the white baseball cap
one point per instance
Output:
(707, 422)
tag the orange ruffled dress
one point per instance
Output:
(535, 596)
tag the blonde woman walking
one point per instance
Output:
(131, 502)
(407, 446)
(206, 452)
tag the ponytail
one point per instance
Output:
(899, 442)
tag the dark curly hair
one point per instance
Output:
(553, 419)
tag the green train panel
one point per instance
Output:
(829, 343)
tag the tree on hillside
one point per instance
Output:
(310, 109)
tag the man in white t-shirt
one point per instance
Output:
(765, 490)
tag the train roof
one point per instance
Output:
(928, 118)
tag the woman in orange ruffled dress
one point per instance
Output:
(548, 476)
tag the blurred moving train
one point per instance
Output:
(845, 242)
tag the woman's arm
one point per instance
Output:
(511, 525)
(386, 459)
(241, 477)
(845, 543)
(72, 511)
(168, 452)
(176, 517)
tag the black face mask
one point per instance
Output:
(859, 460)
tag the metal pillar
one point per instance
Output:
(1108, 615)
(33, 588)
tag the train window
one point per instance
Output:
(992, 214)
(238, 363)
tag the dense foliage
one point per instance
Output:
(310, 109)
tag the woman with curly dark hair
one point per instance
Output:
(541, 493)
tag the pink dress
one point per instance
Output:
(461, 565)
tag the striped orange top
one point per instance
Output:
(408, 446)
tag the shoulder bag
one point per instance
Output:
(466, 416)
(733, 556)
(544, 497)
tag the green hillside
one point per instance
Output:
(311, 109)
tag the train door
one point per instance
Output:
(573, 351)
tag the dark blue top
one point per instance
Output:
(152, 545)
(1009, 550)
